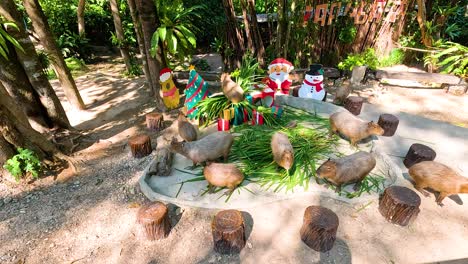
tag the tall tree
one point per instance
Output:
(248, 31)
(29, 60)
(120, 34)
(282, 28)
(234, 36)
(80, 16)
(140, 40)
(255, 29)
(421, 17)
(41, 27)
(148, 20)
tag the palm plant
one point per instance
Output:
(176, 33)
(452, 58)
(5, 38)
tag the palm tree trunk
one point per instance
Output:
(281, 28)
(141, 43)
(41, 27)
(421, 17)
(148, 21)
(80, 17)
(120, 34)
(248, 32)
(33, 68)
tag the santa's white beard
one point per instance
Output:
(278, 78)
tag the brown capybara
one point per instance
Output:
(231, 89)
(186, 130)
(438, 177)
(353, 127)
(349, 169)
(283, 152)
(342, 92)
(222, 175)
(209, 148)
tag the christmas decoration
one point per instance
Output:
(223, 125)
(312, 86)
(196, 91)
(169, 92)
(277, 111)
(257, 118)
(278, 75)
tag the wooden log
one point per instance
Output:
(154, 121)
(389, 123)
(418, 76)
(319, 228)
(140, 146)
(417, 153)
(162, 163)
(154, 218)
(228, 232)
(399, 205)
(354, 104)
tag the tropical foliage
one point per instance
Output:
(176, 33)
(6, 39)
(451, 58)
(23, 162)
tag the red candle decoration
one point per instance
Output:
(257, 118)
(223, 125)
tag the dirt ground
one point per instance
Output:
(90, 217)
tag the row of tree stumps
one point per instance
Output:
(140, 145)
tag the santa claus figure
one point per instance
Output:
(312, 86)
(278, 75)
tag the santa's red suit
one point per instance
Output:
(285, 85)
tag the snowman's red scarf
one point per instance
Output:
(318, 86)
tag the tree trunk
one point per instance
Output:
(234, 36)
(139, 35)
(41, 27)
(255, 29)
(15, 129)
(281, 28)
(33, 68)
(426, 37)
(148, 21)
(120, 34)
(80, 15)
(15, 80)
(248, 32)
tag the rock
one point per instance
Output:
(77, 183)
(249, 245)
(178, 211)
(7, 200)
(458, 89)
(132, 191)
(52, 245)
(358, 74)
(22, 211)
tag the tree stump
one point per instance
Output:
(140, 146)
(399, 205)
(319, 228)
(389, 123)
(154, 121)
(354, 104)
(155, 220)
(417, 153)
(228, 232)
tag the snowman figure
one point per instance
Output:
(312, 86)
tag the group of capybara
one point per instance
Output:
(342, 171)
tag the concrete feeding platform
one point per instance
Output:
(165, 188)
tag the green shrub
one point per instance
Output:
(397, 56)
(452, 58)
(23, 162)
(367, 58)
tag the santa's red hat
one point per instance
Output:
(281, 62)
(165, 74)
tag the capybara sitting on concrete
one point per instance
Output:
(222, 175)
(349, 169)
(353, 127)
(209, 148)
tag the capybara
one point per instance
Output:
(353, 127)
(231, 89)
(349, 169)
(186, 130)
(438, 177)
(222, 175)
(342, 92)
(283, 152)
(209, 148)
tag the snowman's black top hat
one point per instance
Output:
(315, 69)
